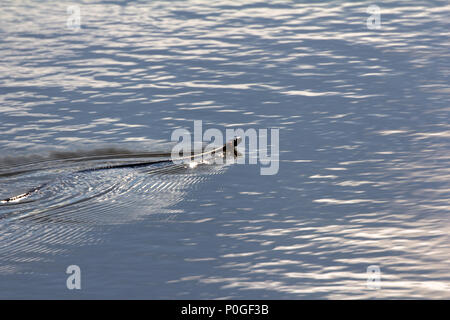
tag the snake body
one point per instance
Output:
(225, 149)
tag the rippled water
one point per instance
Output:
(364, 150)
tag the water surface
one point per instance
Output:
(364, 150)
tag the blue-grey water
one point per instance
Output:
(364, 149)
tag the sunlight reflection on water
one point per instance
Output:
(363, 118)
